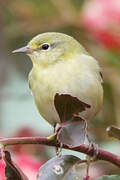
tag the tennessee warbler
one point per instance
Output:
(62, 65)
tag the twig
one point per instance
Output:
(102, 154)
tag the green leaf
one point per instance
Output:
(112, 177)
(58, 168)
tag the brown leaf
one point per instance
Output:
(67, 106)
(113, 131)
(12, 171)
(73, 133)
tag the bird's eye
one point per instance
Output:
(45, 46)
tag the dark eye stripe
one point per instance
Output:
(46, 46)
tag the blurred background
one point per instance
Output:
(96, 25)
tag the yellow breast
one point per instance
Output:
(79, 77)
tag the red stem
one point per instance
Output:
(102, 154)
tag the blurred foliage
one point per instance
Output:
(96, 28)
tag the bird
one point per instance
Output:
(62, 65)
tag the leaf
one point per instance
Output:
(12, 171)
(113, 131)
(73, 133)
(112, 177)
(67, 106)
(58, 168)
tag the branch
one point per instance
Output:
(102, 154)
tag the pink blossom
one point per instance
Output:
(2, 170)
(102, 19)
(29, 165)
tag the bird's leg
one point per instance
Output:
(54, 126)
(53, 136)
(94, 146)
(59, 150)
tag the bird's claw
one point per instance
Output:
(95, 150)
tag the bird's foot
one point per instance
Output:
(54, 127)
(54, 135)
(95, 150)
(93, 146)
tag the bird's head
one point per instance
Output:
(49, 48)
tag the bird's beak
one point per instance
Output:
(25, 49)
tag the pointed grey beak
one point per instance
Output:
(25, 49)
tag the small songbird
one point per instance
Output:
(62, 65)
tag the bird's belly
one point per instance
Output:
(45, 88)
(45, 104)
